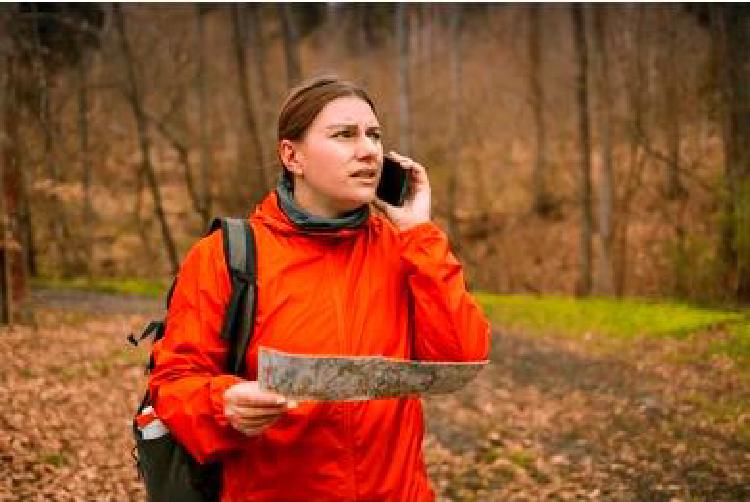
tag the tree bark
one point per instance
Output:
(672, 184)
(605, 281)
(456, 136)
(59, 229)
(260, 65)
(206, 199)
(257, 40)
(581, 54)
(732, 36)
(85, 157)
(542, 201)
(291, 44)
(133, 93)
(260, 183)
(635, 85)
(14, 272)
(404, 111)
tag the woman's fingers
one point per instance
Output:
(417, 172)
(250, 410)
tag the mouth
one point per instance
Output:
(365, 174)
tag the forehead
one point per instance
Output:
(346, 110)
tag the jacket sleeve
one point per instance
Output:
(187, 383)
(448, 325)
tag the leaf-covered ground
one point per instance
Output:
(550, 419)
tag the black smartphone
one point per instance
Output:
(394, 183)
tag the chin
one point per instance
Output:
(357, 200)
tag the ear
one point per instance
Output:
(291, 157)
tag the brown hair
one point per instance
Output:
(305, 101)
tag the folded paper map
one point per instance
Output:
(357, 378)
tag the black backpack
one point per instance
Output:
(169, 472)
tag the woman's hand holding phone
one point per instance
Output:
(417, 203)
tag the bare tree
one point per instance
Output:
(206, 199)
(59, 229)
(238, 41)
(404, 112)
(671, 84)
(731, 35)
(456, 23)
(7, 100)
(84, 152)
(581, 53)
(14, 280)
(605, 281)
(291, 44)
(635, 85)
(133, 94)
(542, 202)
(260, 65)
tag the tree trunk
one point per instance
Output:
(59, 229)
(144, 140)
(635, 86)
(404, 112)
(542, 201)
(427, 39)
(291, 44)
(14, 283)
(260, 183)
(258, 49)
(672, 183)
(581, 53)
(85, 159)
(7, 100)
(363, 49)
(456, 136)
(732, 35)
(258, 45)
(206, 199)
(605, 281)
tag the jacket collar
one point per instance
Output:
(307, 221)
(280, 211)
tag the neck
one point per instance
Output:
(306, 201)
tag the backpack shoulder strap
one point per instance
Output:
(239, 319)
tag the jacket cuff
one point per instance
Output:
(217, 387)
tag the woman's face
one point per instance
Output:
(338, 162)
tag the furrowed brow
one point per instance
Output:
(342, 126)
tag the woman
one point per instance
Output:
(333, 278)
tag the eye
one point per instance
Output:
(344, 133)
(376, 135)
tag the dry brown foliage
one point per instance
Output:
(548, 420)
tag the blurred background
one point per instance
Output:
(590, 164)
(597, 149)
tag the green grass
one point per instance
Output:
(626, 319)
(128, 286)
(737, 344)
(621, 320)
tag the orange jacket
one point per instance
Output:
(370, 290)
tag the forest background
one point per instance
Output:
(590, 164)
(597, 149)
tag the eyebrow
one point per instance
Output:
(350, 126)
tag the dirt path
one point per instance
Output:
(548, 420)
(553, 419)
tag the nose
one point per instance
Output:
(368, 147)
